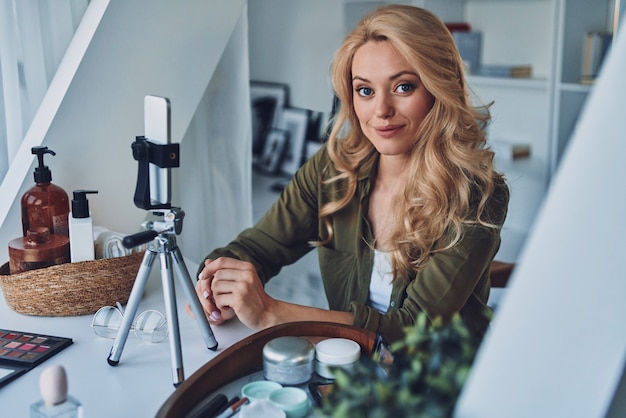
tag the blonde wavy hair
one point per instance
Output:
(452, 169)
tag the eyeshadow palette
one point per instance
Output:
(21, 351)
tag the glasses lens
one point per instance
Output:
(106, 322)
(151, 326)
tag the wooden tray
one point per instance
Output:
(246, 357)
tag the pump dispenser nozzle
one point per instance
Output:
(42, 173)
(80, 204)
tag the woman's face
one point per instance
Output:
(390, 100)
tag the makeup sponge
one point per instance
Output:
(53, 385)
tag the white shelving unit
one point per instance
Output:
(542, 110)
(576, 17)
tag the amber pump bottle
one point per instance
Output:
(45, 204)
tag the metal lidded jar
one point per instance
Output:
(288, 360)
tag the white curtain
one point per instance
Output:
(34, 35)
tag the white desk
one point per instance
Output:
(142, 381)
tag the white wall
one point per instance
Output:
(293, 42)
(140, 47)
(215, 189)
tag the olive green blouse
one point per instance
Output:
(455, 280)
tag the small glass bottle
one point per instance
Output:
(55, 403)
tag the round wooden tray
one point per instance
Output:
(246, 357)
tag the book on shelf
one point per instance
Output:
(509, 151)
(458, 26)
(595, 48)
(469, 44)
(513, 71)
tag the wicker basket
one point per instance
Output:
(71, 289)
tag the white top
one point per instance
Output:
(380, 285)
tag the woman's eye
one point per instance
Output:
(364, 91)
(405, 88)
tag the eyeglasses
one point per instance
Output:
(150, 326)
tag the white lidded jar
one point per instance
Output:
(288, 360)
(336, 353)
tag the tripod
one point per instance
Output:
(163, 244)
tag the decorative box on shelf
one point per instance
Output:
(509, 151)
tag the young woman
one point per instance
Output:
(402, 203)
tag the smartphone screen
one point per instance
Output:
(383, 355)
(157, 129)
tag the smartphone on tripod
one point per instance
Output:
(157, 122)
(155, 155)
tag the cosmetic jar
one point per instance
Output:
(260, 389)
(288, 360)
(335, 353)
(261, 408)
(294, 401)
(38, 249)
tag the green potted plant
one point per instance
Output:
(428, 371)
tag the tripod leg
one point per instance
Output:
(169, 294)
(190, 293)
(131, 308)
